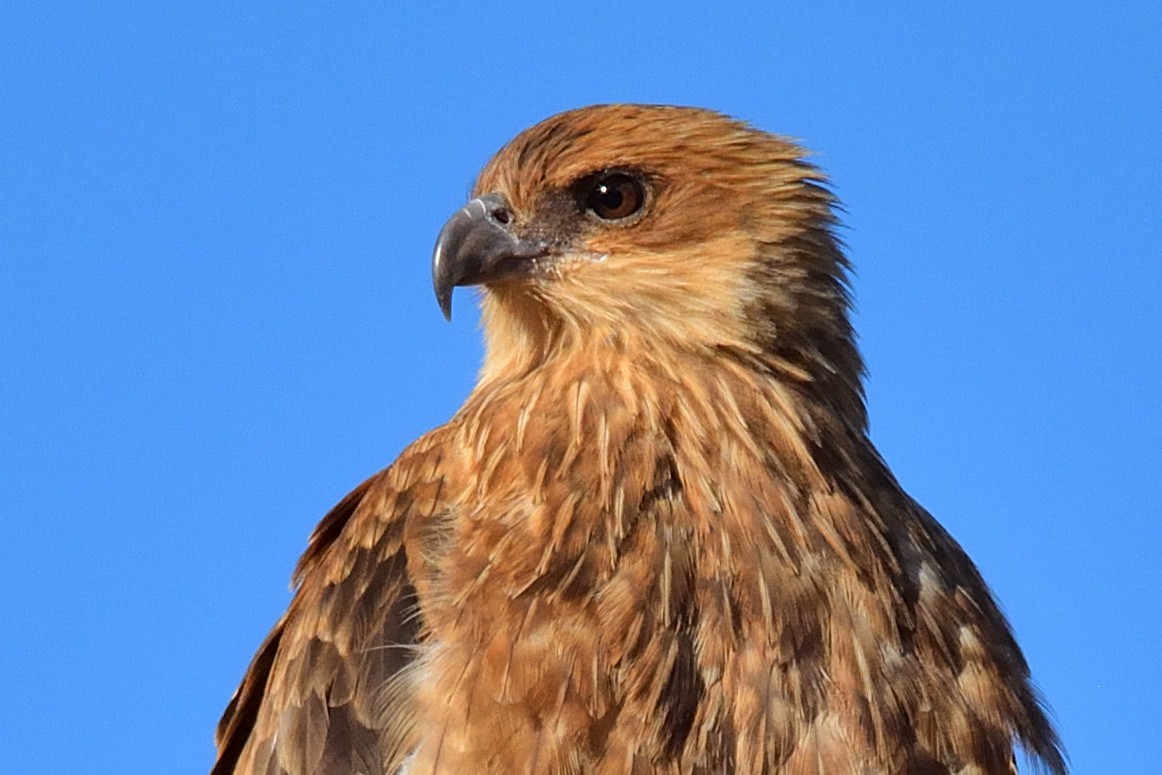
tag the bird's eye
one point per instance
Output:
(615, 196)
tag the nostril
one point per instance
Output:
(502, 215)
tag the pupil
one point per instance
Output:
(611, 197)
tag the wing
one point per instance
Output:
(327, 693)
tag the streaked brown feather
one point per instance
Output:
(656, 539)
(323, 695)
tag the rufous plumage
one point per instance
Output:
(656, 538)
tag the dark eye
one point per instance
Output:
(614, 196)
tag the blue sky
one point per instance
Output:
(216, 316)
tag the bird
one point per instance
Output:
(656, 539)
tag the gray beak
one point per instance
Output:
(477, 245)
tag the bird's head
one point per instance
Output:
(646, 228)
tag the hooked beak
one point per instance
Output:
(476, 245)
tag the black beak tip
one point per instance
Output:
(444, 299)
(446, 272)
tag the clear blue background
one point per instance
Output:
(216, 317)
